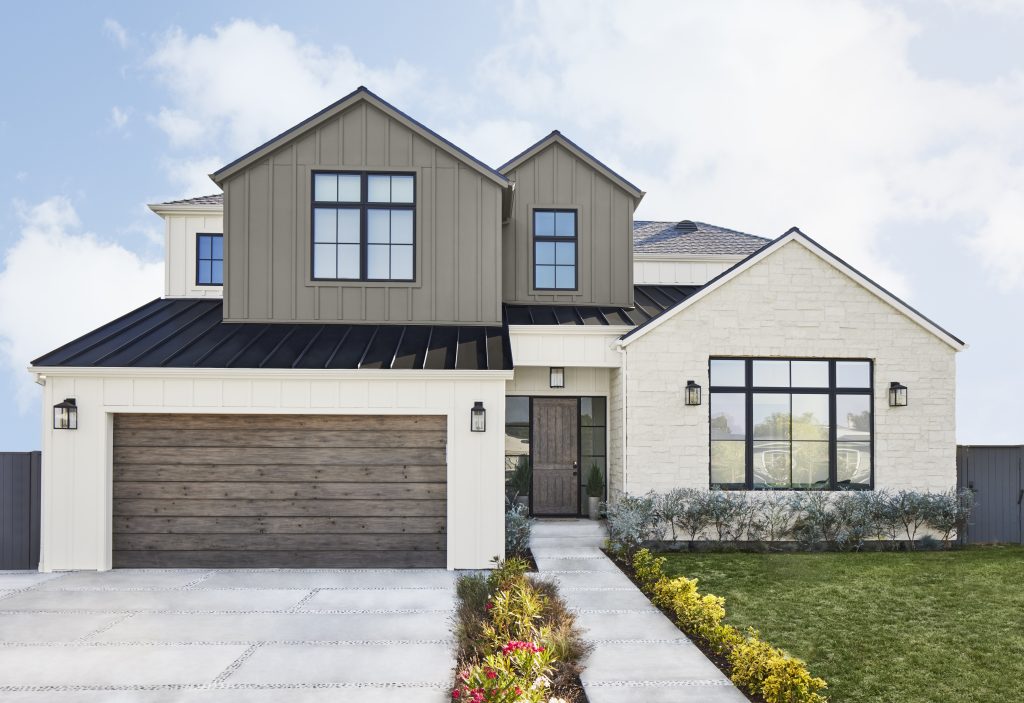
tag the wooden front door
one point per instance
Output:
(555, 456)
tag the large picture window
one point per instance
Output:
(791, 424)
(554, 249)
(364, 226)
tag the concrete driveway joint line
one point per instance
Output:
(227, 636)
(639, 654)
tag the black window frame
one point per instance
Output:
(362, 206)
(199, 257)
(575, 239)
(833, 391)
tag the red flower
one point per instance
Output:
(455, 693)
(519, 691)
(489, 605)
(491, 674)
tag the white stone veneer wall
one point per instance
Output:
(790, 304)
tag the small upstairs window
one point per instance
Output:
(364, 226)
(209, 259)
(554, 250)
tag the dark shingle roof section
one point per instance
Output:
(191, 333)
(215, 199)
(691, 237)
(650, 301)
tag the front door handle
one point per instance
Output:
(576, 466)
(1020, 496)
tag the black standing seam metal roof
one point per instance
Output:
(191, 333)
(649, 302)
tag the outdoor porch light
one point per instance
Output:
(897, 394)
(557, 377)
(478, 417)
(65, 415)
(692, 393)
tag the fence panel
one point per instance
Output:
(19, 510)
(996, 476)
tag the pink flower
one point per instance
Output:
(455, 693)
(489, 605)
(491, 674)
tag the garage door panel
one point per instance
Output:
(239, 559)
(370, 456)
(198, 421)
(278, 525)
(264, 542)
(281, 472)
(279, 508)
(278, 491)
(280, 438)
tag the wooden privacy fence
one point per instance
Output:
(19, 510)
(996, 476)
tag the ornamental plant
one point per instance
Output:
(518, 673)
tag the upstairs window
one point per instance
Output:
(364, 226)
(209, 259)
(554, 250)
(791, 424)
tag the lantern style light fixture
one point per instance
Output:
(897, 394)
(692, 393)
(65, 415)
(557, 377)
(478, 417)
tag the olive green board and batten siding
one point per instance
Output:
(268, 233)
(556, 178)
(279, 491)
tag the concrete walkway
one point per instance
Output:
(205, 636)
(639, 655)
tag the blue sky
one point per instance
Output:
(890, 132)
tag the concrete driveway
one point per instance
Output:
(251, 635)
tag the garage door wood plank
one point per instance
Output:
(194, 421)
(280, 508)
(279, 438)
(278, 525)
(280, 559)
(258, 542)
(280, 472)
(271, 455)
(280, 491)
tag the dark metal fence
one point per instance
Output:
(19, 510)
(996, 476)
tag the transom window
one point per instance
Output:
(364, 226)
(791, 424)
(554, 249)
(209, 259)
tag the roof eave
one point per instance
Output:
(169, 209)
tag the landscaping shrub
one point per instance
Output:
(755, 665)
(631, 522)
(516, 639)
(845, 520)
(517, 530)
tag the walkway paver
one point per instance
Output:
(639, 655)
(226, 636)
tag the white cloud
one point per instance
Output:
(725, 117)
(495, 141)
(191, 176)
(58, 283)
(247, 82)
(117, 31)
(118, 117)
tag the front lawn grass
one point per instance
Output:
(889, 627)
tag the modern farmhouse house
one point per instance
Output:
(372, 340)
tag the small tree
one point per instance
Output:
(671, 506)
(911, 509)
(948, 512)
(595, 482)
(694, 517)
(725, 513)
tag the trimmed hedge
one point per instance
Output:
(755, 665)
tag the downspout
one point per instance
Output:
(625, 383)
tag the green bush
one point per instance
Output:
(631, 522)
(595, 482)
(517, 530)
(756, 666)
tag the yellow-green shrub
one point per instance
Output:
(756, 666)
(766, 670)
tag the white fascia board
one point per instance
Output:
(821, 253)
(274, 374)
(206, 210)
(570, 330)
(686, 258)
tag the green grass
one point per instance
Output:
(883, 627)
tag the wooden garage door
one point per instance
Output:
(279, 491)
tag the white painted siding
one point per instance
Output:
(180, 252)
(792, 303)
(77, 465)
(533, 380)
(667, 270)
(565, 345)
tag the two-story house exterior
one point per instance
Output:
(373, 340)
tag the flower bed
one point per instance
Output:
(517, 642)
(754, 665)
